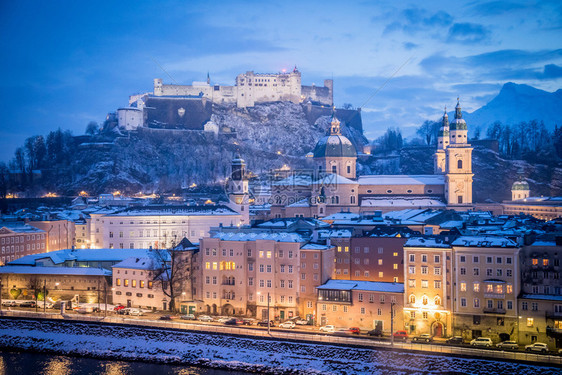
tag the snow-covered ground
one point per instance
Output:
(228, 352)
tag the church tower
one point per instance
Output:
(520, 189)
(238, 189)
(458, 163)
(442, 144)
(335, 153)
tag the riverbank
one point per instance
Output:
(221, 351)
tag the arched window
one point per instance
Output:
(424, 300)
(459, 164)
(437, 301)
(412, 299)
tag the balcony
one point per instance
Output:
(494, 295)
(488, 310)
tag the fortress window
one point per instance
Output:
(409, 191)
(334, 169)
(459, 164)
(389, 191)
(349, 169)
(369, 191)
(429, 191)
(460, 199)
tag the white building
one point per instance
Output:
(157, 226)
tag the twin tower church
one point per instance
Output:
(332, 185)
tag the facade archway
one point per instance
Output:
(228, 309)
(437, 329)
(214, 309)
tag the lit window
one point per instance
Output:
(380, 262)
(261, 254)
(489, 288)
(509, 288)
(530, 322)
(424, 300)
(134, 283)
(208, 265)
(395, 266)
(499, 289)
(269, 255)
(424, 284)
(545, 262)
(347, 249)
(215, 266)
(477, 287)
(535, 262)
(380, 274)
(463, 287)
(395, 254)
(412, 299)
(118, 282)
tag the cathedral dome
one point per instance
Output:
(520, 185)
(458, 123)
(335, 144)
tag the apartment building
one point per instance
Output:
(256, 274)
(485, 287)
(18, 240)
(428, 287)
(363, 304)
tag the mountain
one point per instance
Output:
(516, 103)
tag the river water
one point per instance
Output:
(24, 363)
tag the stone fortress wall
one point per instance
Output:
(252, 88)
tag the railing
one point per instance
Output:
(297, 336)
(488, 310)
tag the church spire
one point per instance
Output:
(335, 128)
(208, 78)
(458, 112)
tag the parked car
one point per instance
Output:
(354, 330)
(118, 308)
(455, 340)
(263, 323)
(328, 328)
(400, 335)
(27, 304)
(231, 322)
(205, 318)
(302, 322)
(482, 341)
(222, 319)
(287, 324)
(424, 337)
(375, 332)
(188, 317)
(537, 347)
(511, 345)
(135, 312)
(248, 321)
(9, 303)
(165, 317)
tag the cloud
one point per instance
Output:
(552, 71)
(414, 20)
(494, 8)
(467, 33)
(409, 46)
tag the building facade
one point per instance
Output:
(19, 240)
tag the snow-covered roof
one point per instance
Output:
(315, 246)
(82, 255)
(334, 233)
(401, 201)
(302, 203)
(144, 263)
(341, 215)
(483, 241)
(429, 179)
(419, 215)
(425, 242)
(543, 243)
(20, 228)
(71, 271)
(332, 179)
(372, 286)
(278, 237)
(449, 224)
(175, 211)
(544, 297)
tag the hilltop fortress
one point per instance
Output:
(189, 107)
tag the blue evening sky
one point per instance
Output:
(66, 63)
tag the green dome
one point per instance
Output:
(458, 124)
(334, 145)
(520, 185)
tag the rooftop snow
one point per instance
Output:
(341, 215)
(175, 211)
(315, 246)
(278, 237)
(401, 201)
(82, 255)
(425, 242)
(332, 179)
(402, 180)
(483, 241)
(144, 263)
(372, 286)
(544, 297)
(73, 271)
(543, 243)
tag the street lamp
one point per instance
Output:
(44, 296)
(268, 320)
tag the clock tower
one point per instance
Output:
(458, 163)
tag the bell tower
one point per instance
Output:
(442, 143)
(458, 163)
(238, 189)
